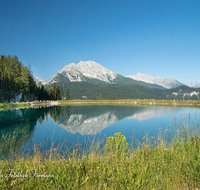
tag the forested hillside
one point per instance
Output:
(17, 78)
(14, 75)
(85, 90)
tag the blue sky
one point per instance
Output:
(156, 37)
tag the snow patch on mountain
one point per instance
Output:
(94, 70)
(38, 79)
(194, 85)
(88, 69)
(167, 83)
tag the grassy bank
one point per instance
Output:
(9, 106)
(155, 164)
(5, 106)
(132, 102)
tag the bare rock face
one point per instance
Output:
(92, 69)
(17, 98)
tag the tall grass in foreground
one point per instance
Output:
(161, 164)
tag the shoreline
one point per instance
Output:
(133, 102)
(129, 102)
(45, 103)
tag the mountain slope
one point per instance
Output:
(85, 90)
(183, 93)
(194, 85)
(38, 79)
(126, 81)
(166, 83)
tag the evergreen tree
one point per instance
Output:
(67, 93)
(61, 92)
(46, 93)
(51, 93)
(100, 97)
(58, 94)
(55, 91)
(25, 79)
(32, 83)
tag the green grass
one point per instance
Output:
(14, 104)
(154, 164)
(9, 106)
(134, 102)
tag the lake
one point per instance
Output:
(70, 127)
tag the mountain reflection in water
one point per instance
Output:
(20, 127)
(92, 120)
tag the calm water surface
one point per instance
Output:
(72, 126)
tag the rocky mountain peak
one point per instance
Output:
(165, 82)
